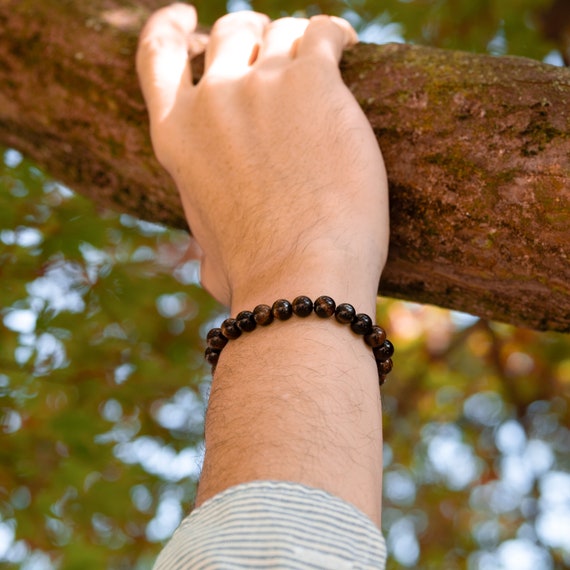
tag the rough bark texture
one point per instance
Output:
(477, 151)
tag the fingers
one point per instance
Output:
(279, 39)
(233, 43)
(162, 57)
(326, 37)
(240, 38)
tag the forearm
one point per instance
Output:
(298, 401)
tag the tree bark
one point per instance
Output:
(477, 151)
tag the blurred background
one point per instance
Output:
(103, 388)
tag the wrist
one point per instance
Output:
(343, 283)
(346, 275)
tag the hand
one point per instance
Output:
(279, 172)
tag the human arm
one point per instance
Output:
(284, 188)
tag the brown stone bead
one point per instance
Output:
(231, 329)
(345, 313)
(245, 321)
(376, 337)
(216, 339)
(384, 366)
(282, 309)
(384, 351)
(361, 324)
(381, 379)
(212, 355)
(325, 307)
(263, 315)
(302, 306)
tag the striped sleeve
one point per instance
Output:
(278, 525)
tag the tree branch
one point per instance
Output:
(477, 151)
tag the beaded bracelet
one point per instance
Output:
(282, 310)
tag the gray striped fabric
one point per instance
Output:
(274, 524)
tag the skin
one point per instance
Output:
(285, 190)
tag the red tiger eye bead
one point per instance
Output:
(384, 366)
(384, 351)
(263, 315)
(245, 321)
(212, 356)
(376, 337)
(344, 313)
(361, 324)
(231, 329)
(216, 339)
(282, 309)
(325, 307)
(302, 306)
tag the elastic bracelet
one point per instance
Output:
(282, 310)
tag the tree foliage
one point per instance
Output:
(103, 390)
(101, 341)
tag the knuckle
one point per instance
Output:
(150, 43)
(288, 23)
(234, 20)
(320, 19)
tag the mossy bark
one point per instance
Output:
(477, 151)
